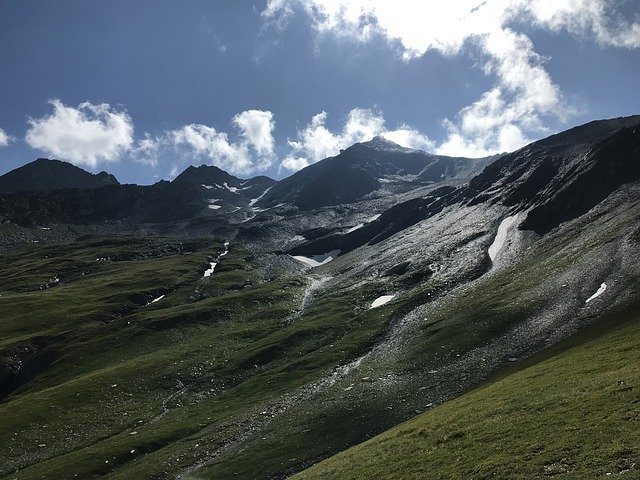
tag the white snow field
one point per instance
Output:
(317, 260)
(378, 302)
(254, 200)
(501, 236)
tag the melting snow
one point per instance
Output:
(209, 271)
(360, 225)
(211, 187)
(318, 260)
(600, 291)
(233, 189)
(211, 203)
(297, 238)
(255, 200)
(212, 265)
(157, 299)
(378, 302)
(501, 236)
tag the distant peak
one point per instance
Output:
(382, 144)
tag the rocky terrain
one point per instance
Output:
(217, 327)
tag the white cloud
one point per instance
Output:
(294, 163)
(257, 128)
(253, 151)
(316, 141)
(5, 138)
(523, 96)
(84, 135)
(206, 141)
(410, 138)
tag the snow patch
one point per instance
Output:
(157, 299)
(212, 201)
(317, 260)
(384, 299)
(297, 238)
(234, 189)
(501, 236)
(600, 291)
(231, 189)
(360, 225)
(255, 200)
(354, 228)
(212, 265)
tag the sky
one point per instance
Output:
(143, 88)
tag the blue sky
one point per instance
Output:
(142, 89)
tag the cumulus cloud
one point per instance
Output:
(523, 96)
(410, 138)
(316, 141)
(4, 138)
(84, 135)
(257, 129)
(252, 151)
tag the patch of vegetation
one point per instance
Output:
(575, 414)
(98, 380)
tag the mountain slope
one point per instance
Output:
(565, 175)
(364, 168)
(554, 180)
(161, 202)
(197, 192)
(219, 188)
(170, 356)
(45, 174)
(573, 415)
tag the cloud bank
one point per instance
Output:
(90, 134)
(523, 95)
(84, 135)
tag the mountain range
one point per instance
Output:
(218, 327)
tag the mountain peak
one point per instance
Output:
(46, 174)
(205, 174)
(381, 144)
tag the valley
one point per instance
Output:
(490, 303)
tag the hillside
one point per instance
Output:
(148, 335)
(365, 168)
(45, 174)
(573, 414)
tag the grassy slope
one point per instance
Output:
(573, 415)
(184, 374)
(197, 370)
